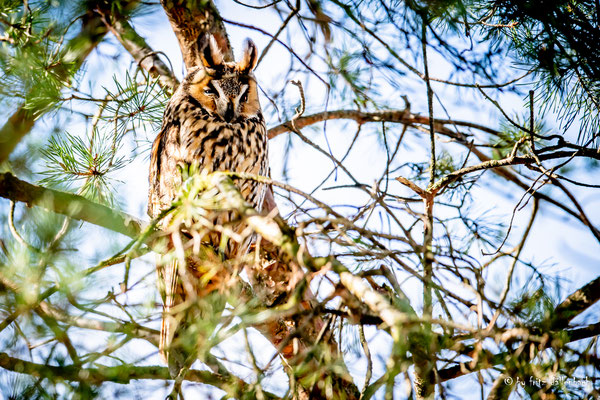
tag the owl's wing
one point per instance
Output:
(163, 178)
(154, 174)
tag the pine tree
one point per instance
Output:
(432, 169)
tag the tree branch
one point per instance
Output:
(69, 204)
(190, 20)
(399, 116)
(486, 359)
(510, 176)
(122, 374)
(497, 166)
(575, 304)
(572, 306)
(140, 50)
(128, 328)
(509, 161)
(288, 251)
(78, 48)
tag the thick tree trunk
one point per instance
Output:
(191, 20)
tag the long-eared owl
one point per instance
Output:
(214, 121)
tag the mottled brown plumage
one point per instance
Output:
(214, 121)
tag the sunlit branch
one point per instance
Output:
(68, 204)
(140, 50)
(128, 328)
(575, 304)
(509, 175)
(122, 374)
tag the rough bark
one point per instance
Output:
(191, 20)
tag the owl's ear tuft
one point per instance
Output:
(250, 57)
(211, 52)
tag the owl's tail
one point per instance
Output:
(185, 327)
(168, 287)
(167, 333)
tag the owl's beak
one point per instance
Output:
(229, 113)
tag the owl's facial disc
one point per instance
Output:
(226, 89)
(231, 98)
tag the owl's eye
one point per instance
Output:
(210, 90)
(244, 96)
